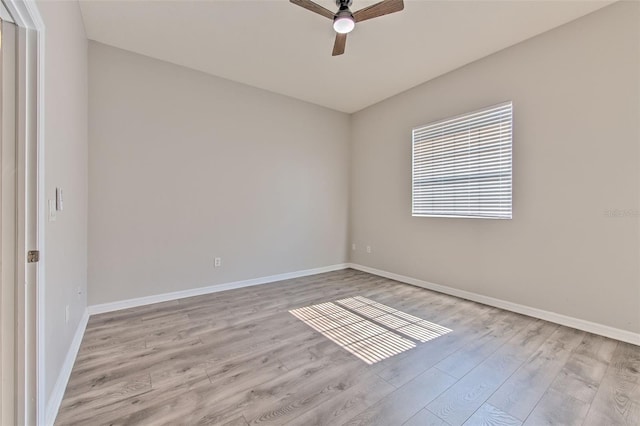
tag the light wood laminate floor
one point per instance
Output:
(240, 357)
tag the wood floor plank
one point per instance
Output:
(625, 363)
(522, 391)
(299, 393)
(187, 403)
(399, 371)
(557, 408)
(347, 404)
(141, 362)
(101, 320)
(304, 395)
(230, 343)
(240, 421)
(172, 375)
(489, 415)
(405, 401)
(132, 332)
(617, 402)
(134, 409)
(458, 403)
(91, 400)
(585, 368)
(88, 353)
(470, 355)
(260, 396)
(425, 418)
(240, 357)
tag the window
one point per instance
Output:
(462, 165)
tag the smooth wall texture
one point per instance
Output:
(66, 160)
(573, 246)
(186, 167)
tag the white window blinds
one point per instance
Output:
(462, 165)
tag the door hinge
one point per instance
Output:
(33, 256)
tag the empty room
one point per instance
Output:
(320, 212)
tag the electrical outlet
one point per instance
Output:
(368, 249)
(66, 314)
(217, 262)
(353, 247)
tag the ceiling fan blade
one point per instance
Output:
(338, 46)
(385, 7)
(309, 5)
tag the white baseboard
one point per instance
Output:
(580, 324)
(140, 301)
(55, 399)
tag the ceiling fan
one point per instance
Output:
(344, 21)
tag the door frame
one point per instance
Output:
(30, 314)
(8, 186)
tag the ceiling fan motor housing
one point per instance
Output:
(344, 3)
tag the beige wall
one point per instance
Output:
(66, 158)
(576, 99)
(185, 167)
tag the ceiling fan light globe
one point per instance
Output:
(344, 24)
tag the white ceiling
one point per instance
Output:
(277, 46)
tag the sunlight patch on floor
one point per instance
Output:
(368, 329)
(366, 340)
(402, 322)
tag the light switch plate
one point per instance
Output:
(52, 210)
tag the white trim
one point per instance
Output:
(5, 16)
(148, 300)
(65, 372)
(41, 212)
(27, 16)
(8, 220)
(25, 13)
(580, 324)
(41, 397)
